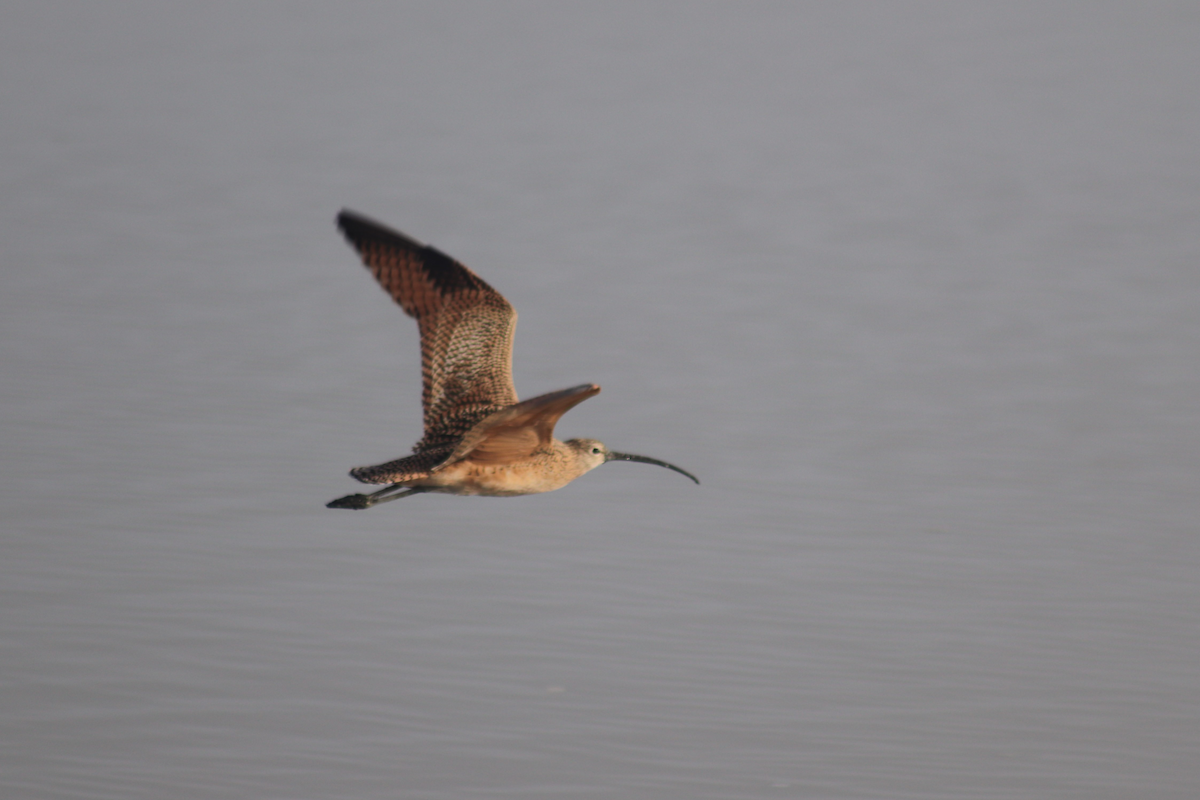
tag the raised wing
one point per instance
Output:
(514, 433)
(466, 328)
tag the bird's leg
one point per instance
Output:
(382, 495)
(362, 501)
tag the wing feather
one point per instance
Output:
(466, 328)
(516, 432)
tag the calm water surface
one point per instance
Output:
(911, 287)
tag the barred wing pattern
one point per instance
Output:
(504, 436)
(466, 333)
(418, 465)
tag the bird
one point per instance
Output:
(479, 439)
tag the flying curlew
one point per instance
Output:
(479, 440)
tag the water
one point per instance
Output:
(912, 289)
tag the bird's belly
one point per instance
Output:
(467, 478)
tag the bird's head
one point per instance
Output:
(593, 453)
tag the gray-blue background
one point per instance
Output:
(913, 287)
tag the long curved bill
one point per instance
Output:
(614, 456)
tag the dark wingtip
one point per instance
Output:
(361, 229)
(447, 274)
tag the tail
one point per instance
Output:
(402, 470)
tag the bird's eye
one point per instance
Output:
(595, 451)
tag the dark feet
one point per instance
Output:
(387, 493)
(350, 501)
